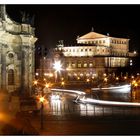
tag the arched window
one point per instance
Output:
(10, 77)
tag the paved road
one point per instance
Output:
(73, 120)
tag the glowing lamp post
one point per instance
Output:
(41, 99)
(62, 83)
(35, 82)
(105, 79)
(58, 67)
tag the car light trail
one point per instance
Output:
(69, 91)
(124, 87)
(89, 100)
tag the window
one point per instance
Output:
(90, 65)
(85, 65)
(73, 65)
(81, 50)
(10, 77)
(67, 64)
(85, 50)
(79, 65)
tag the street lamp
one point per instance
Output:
(105, 79)
(41, 99)
(62, 83)
(35, 82)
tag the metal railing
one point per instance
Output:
(93, 110)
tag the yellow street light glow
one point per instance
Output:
(57, 66)
(135, 52)
(47, 85)
(93, 77)
(87, 80)
(36, 74)
(132, 77)
(125, 77)
(105, 79)
(51, 75)
(41, 99)
(117, 78)
(62, 83)
(35, 82)
(135, 84)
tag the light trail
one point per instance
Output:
(95, 101)
(102, 102)
(125, 87)
(69, 91)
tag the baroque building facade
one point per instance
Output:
(93, 55)
(17, 44)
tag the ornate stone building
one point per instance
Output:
(93, 55)
(16, 54)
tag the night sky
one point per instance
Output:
(66, 22)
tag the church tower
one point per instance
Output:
(17, 46)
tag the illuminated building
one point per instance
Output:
(16, 54)
(93, 55)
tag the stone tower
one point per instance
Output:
(17, 45)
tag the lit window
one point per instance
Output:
(79, 65)
(85, 65)
(90, 65)
(73, 65)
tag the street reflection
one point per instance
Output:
(56, 107)
(86, 110)
(65, 104)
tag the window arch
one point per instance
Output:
(10, 77)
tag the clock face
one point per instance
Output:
(10, 55)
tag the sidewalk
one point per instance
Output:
(11, 121)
